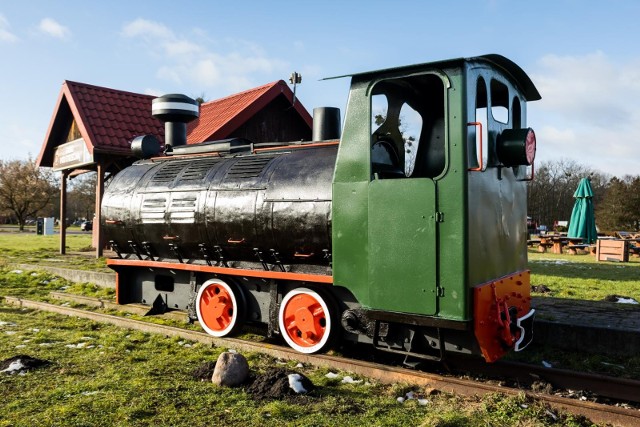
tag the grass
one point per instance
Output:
(23, 243)
(103, 375)
(582, 277)
(127, 378)
(30, 248)
(38, 284)
(615, 366)
(568, 276)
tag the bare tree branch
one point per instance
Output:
(25, 189)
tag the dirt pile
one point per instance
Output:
(276, 384)
(541, 289)
(204, 371)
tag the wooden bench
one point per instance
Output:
(612, 250)
(622, 234)
(542, 246)
(627, 235)
(573, 249)
(634, 250)
(533, 242)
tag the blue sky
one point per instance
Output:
(584, 57)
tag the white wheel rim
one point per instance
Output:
(282, 321)
(207, 305)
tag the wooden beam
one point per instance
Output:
(63, 212)
(99, 240)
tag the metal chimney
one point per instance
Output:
(326, 123)
(175, 110)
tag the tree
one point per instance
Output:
(616, 200)
(620, 208)
(81, 200)
(201, 99)
(410, 153)
(25, 189)
(550, 196)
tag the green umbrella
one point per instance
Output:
(583, 222)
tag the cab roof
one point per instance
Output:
(498, 61)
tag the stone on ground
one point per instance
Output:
(231, 370)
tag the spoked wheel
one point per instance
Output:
(219, 308)
(306, 321)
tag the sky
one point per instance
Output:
(583, 56)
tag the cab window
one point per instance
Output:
(407, 122)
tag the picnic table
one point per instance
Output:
(558, 242)
(633, 239)
(573, 247)
(628, 235)
(536, 243)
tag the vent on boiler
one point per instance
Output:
(248, 167)
(197, 171)
(168, 172)
(183, 208)
(153, 209)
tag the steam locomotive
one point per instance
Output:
(407, 231)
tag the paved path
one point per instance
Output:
(596, 326)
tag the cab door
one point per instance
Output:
(408, 153)
(402, 245)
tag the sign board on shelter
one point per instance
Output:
(71, 155)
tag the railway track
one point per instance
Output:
(614, 388)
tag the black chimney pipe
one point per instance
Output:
(175, 110)
(326, 123)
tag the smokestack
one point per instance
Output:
(175, 110)
(326, 123)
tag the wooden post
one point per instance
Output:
(63, 212)
(99, 241)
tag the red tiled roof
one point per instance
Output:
(108, 119)
(221, 117)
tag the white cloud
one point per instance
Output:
(169, 74)
(589, 89)
(6, 35)
(196, 59)
(589, 112)
(207, 72)
(181, 47)
(147, 29)
(22, 137)
(153, 92)
(53, 28)
(553, 133)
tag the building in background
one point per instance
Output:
(92, 127)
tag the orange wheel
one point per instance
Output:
(305, 320)
(217, 308)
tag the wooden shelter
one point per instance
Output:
(92, 128)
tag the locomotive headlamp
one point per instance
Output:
(516, 147)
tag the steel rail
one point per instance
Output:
(604, 386)
(139, 309)
(596, 412)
